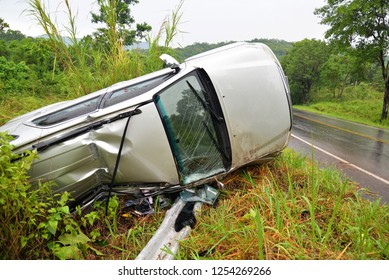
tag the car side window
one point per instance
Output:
(190, 125)
(134, 90)
(68, 113)
(91, 105)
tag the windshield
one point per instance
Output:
(190, 125)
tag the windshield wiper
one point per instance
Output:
(205, 104)
(215, 142)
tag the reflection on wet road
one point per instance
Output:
(348, 145)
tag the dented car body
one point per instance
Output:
(179, 127)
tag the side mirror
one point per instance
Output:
(170, 61)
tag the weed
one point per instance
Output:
(290, 210)
(36, 225)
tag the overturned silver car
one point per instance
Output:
(183, 126)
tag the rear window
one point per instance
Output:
(69, 113)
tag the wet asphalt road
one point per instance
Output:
(361, 151)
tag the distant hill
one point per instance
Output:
(65, 39)
(279, 47)
(138, 46)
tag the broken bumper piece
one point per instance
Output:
(165, 242)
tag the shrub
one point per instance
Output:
(14, 76)
(35, 225)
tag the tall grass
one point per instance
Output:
(75, 63)
(14, 105)
(271, 212)
(82, 67)
(90, 67)
(290, 210)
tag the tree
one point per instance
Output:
(342, 69)
(116, 15)
(36, 53)
(3, 25)
(8, 34)
(335, 74)
(363, 25)
(302, 65)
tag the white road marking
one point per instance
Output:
(342, 160)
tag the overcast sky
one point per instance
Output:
(202, 21)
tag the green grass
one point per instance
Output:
(364, 112)
(362, 104)
(290, 209)
(121, 235)
(12, 106)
